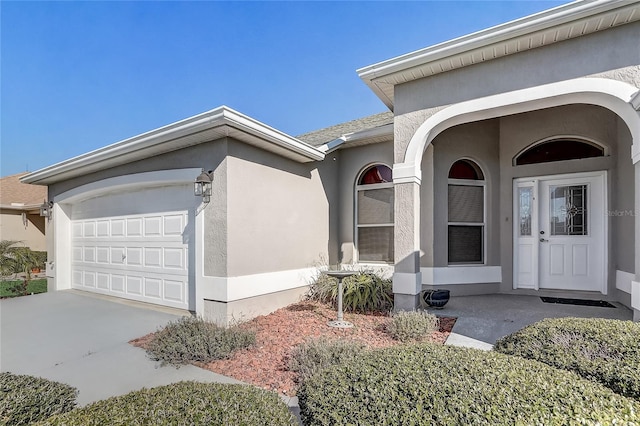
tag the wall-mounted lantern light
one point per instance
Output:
(202, 185)
(46, 208)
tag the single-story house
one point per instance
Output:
(20, 218)
(508, 162)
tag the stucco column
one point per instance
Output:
(407, 279)
(635, 285)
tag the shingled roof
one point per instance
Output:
(15, 194)
(322, 136)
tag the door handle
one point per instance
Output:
(542, 240)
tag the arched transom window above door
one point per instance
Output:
(558, 150)
(374, 214)
(466, 215)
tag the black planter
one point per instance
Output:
(436, 298)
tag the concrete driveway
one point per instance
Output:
(81, 340)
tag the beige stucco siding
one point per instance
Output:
(31, 234)
(278, 213)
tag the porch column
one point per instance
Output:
(635, 285)
(407, 279)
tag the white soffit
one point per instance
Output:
(541, 29)
(208, 126)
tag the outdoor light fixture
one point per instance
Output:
(45, 209)
(202, 185)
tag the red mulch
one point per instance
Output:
(265, 364)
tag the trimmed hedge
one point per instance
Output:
(184, 403)
(604, 350)
(27, 399)
(365, 291)
(192, 339)
(426, 384)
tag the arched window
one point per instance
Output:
(558, 150)
(466, 216)
(374, 214)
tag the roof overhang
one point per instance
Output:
(541, 29)
(25, 208)
(211, 125)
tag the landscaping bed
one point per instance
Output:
(265, 364)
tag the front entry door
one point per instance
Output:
(560, 232)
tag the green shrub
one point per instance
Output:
(14, 288)
(316, 354)
(184, 403)
(194, 339)
(363, 292)
(27, 399)
(604, 350)
(407, 326)
(425, 384)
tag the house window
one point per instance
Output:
(466, 217)
(558, 150)
(374, 214)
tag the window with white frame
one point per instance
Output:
(374, 214)
(466, 216)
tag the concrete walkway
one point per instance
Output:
(482, 320)
(82, 340)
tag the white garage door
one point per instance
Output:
(142, 257)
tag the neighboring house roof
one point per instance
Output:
(211, 125)
(541, 29)
(372, 129)
(15, 195)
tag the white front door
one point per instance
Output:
(559, 232)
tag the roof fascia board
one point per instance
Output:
(537, 22)
(335, 144)
(249, 125)
(219, 117)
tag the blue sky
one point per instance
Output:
(77, 76)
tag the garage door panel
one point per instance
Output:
(153, 257)
(134, 227)
(134, 285)
(102, 281)
(133, 256)
(139, 257)
(174, 258)
(117, 227)
(89, 229)
(102, 228)
(102, 255)
(153, 288)
(89, 279)
(117, 283)
(153, 226)
(173, 225)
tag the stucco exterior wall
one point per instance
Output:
(351, 162)
(594, 54)
(478, 142)
(278, 213)
(31, 234)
